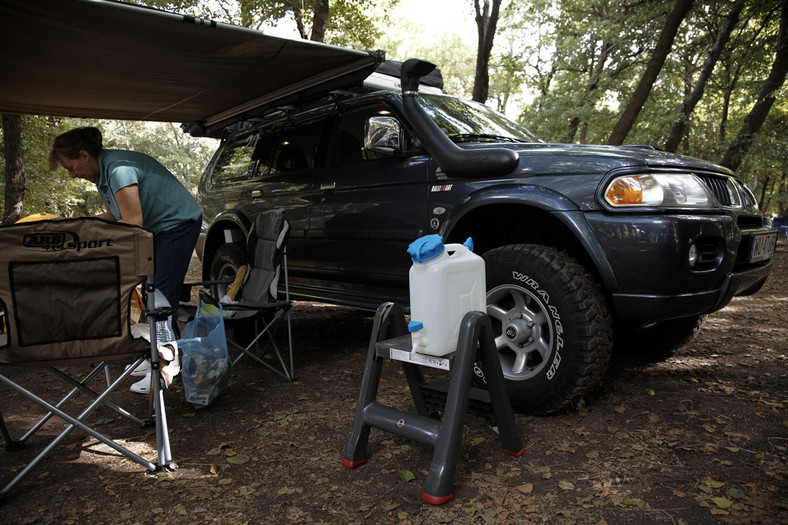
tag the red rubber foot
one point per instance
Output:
(515, 454)
(353, 464)
(436, 500)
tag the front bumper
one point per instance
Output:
(649, 257)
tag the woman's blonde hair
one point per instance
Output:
(68, 145)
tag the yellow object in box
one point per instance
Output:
(37, 217)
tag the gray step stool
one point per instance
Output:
(390, 340)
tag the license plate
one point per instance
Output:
(763, 246)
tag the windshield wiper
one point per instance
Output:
(482, 137)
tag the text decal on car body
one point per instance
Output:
(442, 187)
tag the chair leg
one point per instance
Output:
(83, 387)
(74, 422)
(65, 398)
(285, 372)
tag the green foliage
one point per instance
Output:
(567, 67)
(581, 59)
(353, 23)
(420, 38)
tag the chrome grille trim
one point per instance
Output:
(716, 184)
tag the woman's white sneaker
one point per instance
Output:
(141, 370)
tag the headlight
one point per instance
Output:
(655, 189)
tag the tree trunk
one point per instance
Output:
(319, 21)
(298, 15)
(14, 168)
(654, 66)
(753, 122)
(486, 22)
(595, 76)
(686, 108)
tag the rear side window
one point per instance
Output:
(294, 147)
(237, 160)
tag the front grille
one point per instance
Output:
(718, 186)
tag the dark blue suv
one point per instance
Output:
(585, 246)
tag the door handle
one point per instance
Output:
(328, 186)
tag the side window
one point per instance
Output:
(237, 160)
(348, 145)
(294, 147)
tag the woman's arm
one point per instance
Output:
(128, 199)
(106, 214)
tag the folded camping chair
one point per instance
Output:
(65, 293)
(257, 298)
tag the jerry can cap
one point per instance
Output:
(427, 248)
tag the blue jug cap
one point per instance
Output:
(468, 244)
(415, 326)
(425, 249)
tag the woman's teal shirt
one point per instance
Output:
(166, 203)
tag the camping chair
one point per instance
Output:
(257, 297)
(65, 292)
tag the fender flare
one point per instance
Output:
(548, 201)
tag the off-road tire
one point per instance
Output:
(558, 324)
(224, 266)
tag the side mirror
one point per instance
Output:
(383, 135)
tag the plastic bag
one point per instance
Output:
(205, 369)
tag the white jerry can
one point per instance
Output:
(446, 282)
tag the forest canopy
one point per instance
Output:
(567, 70)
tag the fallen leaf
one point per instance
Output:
(708, 449)
(565, 447)
(736, 493)
(592, 455)
(712, 483)
(721, 502)
(526, 488)
(214, 469)
(238, 459)
(406, 475)
(566, 485)
(475, 442)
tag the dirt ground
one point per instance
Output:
(699, 438)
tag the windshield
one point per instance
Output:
(464, 120)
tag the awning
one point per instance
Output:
(104, 59)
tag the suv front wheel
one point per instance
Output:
(553, 327)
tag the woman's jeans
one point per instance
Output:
(172, 252)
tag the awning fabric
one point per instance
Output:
(104, 59)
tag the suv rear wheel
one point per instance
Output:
(553, 328)
(224, 266)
